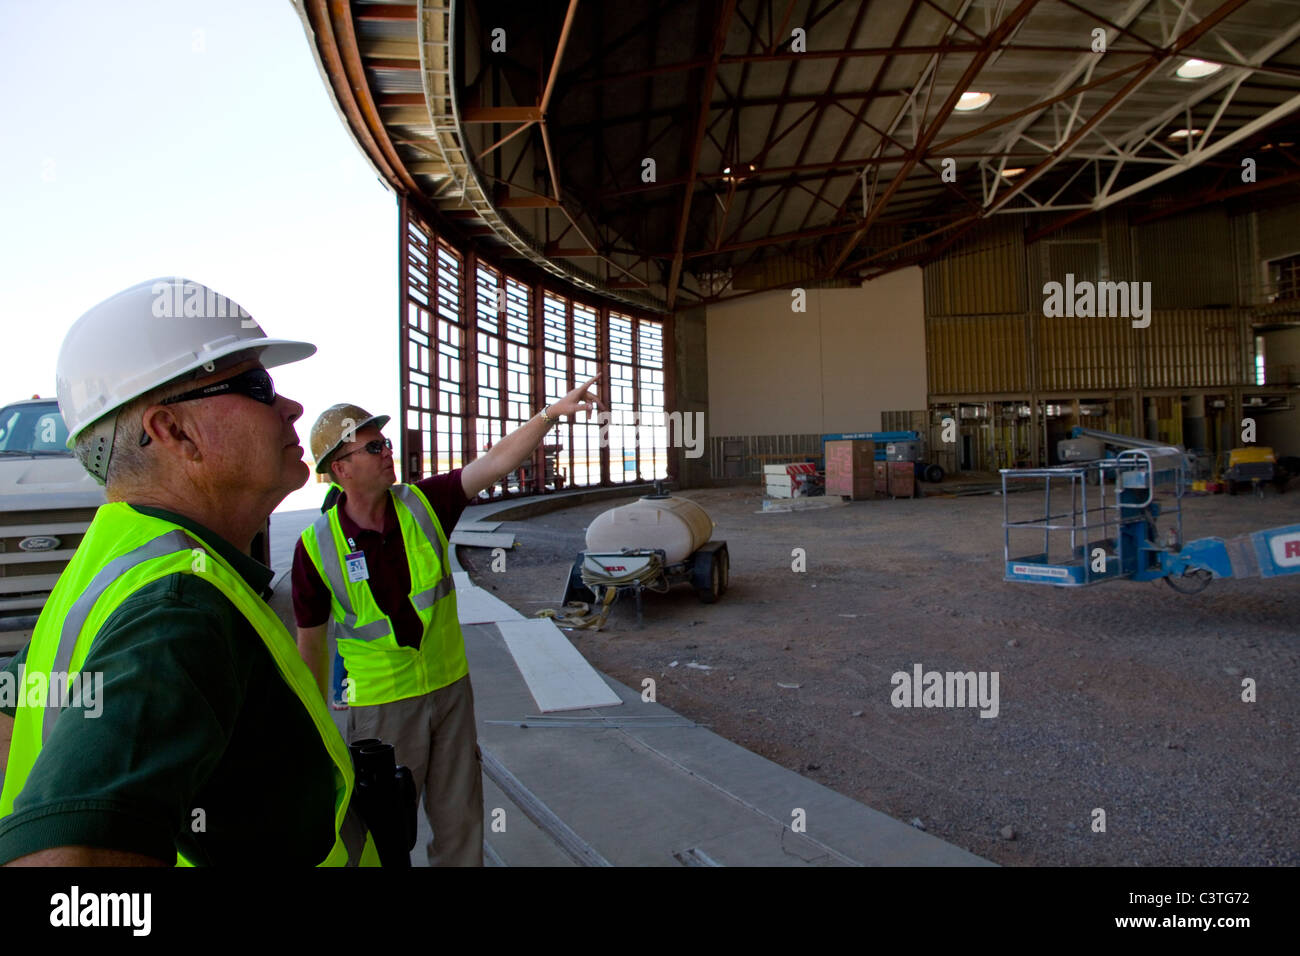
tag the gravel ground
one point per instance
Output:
(1125, 697)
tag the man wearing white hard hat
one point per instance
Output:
(191, 732)
(376, 563)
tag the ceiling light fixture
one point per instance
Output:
(739, 175)
(973, 100)
(1194, 69)
(1014, 171)
(1185, 133)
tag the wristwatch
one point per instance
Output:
(549, 420)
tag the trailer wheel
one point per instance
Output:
(711, 573)
(934, 474)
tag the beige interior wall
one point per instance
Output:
(1281, 430)
(834, 368)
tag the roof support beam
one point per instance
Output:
(821, 110)
(501, 114)
(400, 12)
(860, 116)
(943, 48)
(1152, 64)
(701, 124)
(990, 46)
(546, 96)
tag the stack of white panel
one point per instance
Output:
(777, 482)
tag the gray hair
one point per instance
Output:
(110, 448)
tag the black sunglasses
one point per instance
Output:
(376, 446)
(255, 383)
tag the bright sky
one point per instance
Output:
(194, 138)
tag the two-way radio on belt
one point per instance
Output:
(386, 800)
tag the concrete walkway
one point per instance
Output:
(637, 784)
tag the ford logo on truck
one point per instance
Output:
(47, 501)
(39, 543)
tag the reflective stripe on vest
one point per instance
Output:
(121, 552)
(379, 669)
(332, 564)
(173, 542)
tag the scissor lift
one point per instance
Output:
(1110, 525)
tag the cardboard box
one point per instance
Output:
(850, 468)
(902, 479)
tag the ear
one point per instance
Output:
(164, 425)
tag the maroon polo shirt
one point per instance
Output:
(390, 573)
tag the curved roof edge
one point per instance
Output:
(446, 173)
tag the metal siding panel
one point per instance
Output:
(1121, 358)
(1189, 274)
(1155, 344)
(952, 356)
(1278, 235)
(947, 348)
(969, 366)
(936, 343)
(1046, 333)
(966, 365)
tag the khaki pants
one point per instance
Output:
(435, 736)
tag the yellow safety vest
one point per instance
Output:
(379, 669)
(124, 550)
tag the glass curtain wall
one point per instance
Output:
(483, 351)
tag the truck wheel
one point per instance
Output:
(724, 563)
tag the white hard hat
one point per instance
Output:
(148, 335)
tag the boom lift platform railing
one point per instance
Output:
(1110, 525)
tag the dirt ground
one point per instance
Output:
(1124, 697)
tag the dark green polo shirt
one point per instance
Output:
(195, 717)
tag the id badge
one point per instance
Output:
(356, 566)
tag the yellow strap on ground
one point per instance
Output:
(577, 614)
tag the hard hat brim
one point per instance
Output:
(277, 352)
(379, 421)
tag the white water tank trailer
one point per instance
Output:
(650, 544)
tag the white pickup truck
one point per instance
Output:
(47, 501)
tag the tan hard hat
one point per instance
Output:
(337, 426)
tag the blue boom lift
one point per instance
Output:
(1109, 525)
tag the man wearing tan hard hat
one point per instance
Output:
(376, 564)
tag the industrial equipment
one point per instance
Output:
(1119, 530)
(1255, 466)
(649, 545)
(1090, 444)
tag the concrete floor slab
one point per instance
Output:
(655, 795)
